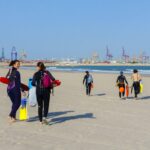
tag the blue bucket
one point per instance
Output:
(30, 83)
(23, 102)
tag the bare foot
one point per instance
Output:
(12, 120)
(41, 122)
(9, 118)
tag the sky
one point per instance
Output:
(75, 28)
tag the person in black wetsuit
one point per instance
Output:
(88, 80)
(42, 93)
(14, 88)
(121, 80)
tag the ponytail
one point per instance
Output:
(41, 66)
(13, 62)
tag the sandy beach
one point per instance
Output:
(77, 122)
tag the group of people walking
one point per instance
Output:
(42, 81)
(121, 81)
(43, 89)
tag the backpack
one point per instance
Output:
(47, 81)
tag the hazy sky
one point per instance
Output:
(74, 28)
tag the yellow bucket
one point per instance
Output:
(23, 114)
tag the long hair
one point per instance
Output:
(13, 62)
(41, 66)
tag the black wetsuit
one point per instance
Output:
(14, 90)
(136, 86)
(43, 94)
(88, 83)
(121, 80)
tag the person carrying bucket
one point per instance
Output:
(14, 88)
(121, 80)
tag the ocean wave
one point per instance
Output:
(83, 70)
(97, 69)
(113, 70)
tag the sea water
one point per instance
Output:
(99, 69)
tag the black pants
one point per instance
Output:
(43, 100)
(123, 93)
(136, 86)
(88, 88)
(15, 98)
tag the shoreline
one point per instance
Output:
(127, 71)
(80, 72)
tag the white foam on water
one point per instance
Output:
(82, 69)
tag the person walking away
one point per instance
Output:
(42, 80)
(121, 81)
(88, 81)
(14, 88)
(136, 78)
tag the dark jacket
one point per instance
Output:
(37, 81)
(14, 76)
(87, 79)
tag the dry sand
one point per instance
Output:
(78, 122)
